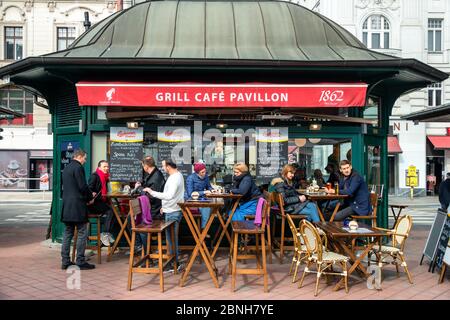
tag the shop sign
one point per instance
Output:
(44, 182)
(175, 143)
(272, 146)
(126, 154)
(221, 95)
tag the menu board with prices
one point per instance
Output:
(272, 146)
(175, 143)
(126, 154)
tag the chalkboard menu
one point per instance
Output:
(175, 143)
(67, 149)
(442, 243)
(272, 146)
(126, 154)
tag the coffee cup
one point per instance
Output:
(195, 195)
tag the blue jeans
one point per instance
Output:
(311, 212)
(206, 213)
(173, 216)
(245, 209)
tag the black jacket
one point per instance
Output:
(76, 194)
(95, 185)
(444, 193)
(154, 181)
(245, 185)
(292, 203)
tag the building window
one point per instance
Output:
(434, 35)
(13, 43)
(66, 35)
(435, 94)
(376, 32)
(18, 100)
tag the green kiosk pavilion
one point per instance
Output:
(224, 65)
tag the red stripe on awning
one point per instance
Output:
(187, 95)
(394, 145)
(440, 142)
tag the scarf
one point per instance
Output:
(104, 177)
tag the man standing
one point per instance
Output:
(76, 195)
(172, 195)
(98, 184)
(353, 185)
(444, 192)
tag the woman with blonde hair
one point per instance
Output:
(295, 202)
(243, 184)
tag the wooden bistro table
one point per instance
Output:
(236, 198)
(113, 199)
(397, 214)
(199, 237)
(323, 196)
(341, 240)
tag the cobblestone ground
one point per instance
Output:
(30, 269)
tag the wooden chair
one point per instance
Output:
(321, 258)
(98, 245)
(249, 228)
(374, 199)
(157, 227)
(396, 250)
(268, 230)
(300, 252)
(373, 216)
(278, 198)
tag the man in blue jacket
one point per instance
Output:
(352, 184)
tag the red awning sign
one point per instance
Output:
(393, 145)
(187, 95)
(440, 142)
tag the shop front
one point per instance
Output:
(266, 83)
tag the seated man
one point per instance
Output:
(353, 185)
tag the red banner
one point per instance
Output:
(221, 95)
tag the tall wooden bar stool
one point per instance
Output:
(96, 238)
(249, 228)
(278, 198)
(157, 227)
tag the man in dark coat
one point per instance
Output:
(153, 179)
(444, 193)
(76, 195)
(353, 185)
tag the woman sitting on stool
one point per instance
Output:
(295, 202)
(245, 186)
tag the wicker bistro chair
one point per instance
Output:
(323, 259)
(396, 250)
(249, 228)
(300, 252)
(278, 198)
(157, 227)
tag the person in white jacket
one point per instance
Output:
(172, 194)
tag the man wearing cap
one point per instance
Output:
(199, 182)
(444, 193)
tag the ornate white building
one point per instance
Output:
(408, 29)
(32, 28)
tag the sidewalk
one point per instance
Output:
(30, 269)
(25, 196)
